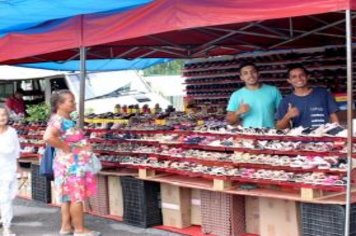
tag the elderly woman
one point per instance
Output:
(74, 181)
(9, 153)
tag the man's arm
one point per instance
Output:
(233, 118)
(285, 122)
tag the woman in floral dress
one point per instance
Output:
(74, 180)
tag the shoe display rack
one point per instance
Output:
(233, 164)
(31, 138)
(210, 82)
(306, 162)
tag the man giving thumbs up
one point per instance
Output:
(307, 106)
(255, 104)
(292, 112)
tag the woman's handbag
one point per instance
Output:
(95, 164)
(46, 163)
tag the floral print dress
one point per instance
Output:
(73, 179)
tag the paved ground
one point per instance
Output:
(38, 219)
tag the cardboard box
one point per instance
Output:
(176, 203)
(310, 194)
(146, 173)
(116, 202)
(220, 184)
(279, 217)
(195, 216)
(252, 214)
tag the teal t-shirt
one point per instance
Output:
(263, 104)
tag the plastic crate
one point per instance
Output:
(326, 220)
(100, 202)
(141, 202)
(222, 214)
(40, 185)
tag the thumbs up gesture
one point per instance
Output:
(243, 108)
(292, 111)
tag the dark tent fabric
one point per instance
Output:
(183, 29)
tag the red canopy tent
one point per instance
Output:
(183, 29)
(188, 29)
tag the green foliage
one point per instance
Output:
(170, 68)
(38, 112)
(88, 111)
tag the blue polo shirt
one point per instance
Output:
(263, 104)
(314, 109)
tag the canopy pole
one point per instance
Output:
(82, 86)
(83, 71)
(349, 116)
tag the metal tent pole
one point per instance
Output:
(349, 116)
(82, 86)
(82, 74)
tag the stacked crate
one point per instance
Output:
(40, 185)
(323, 219)
(141, 202)
(222, 214)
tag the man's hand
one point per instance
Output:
(292, 112)
(243, 108)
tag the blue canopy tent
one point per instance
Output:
(31, 15)
(20, 15)
(99, 65)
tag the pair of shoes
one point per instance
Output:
(64, 232)
(7, 232)
(90, 233)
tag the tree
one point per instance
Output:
(170, 68)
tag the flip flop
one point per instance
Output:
(90, 233)
(63, 232)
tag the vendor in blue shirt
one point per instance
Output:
(306, 106)
(255, 104)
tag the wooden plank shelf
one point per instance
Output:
(204, 184)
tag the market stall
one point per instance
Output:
(217, 29)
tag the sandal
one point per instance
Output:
(64, 232)
(90, 233)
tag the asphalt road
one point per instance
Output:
(38, 219)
